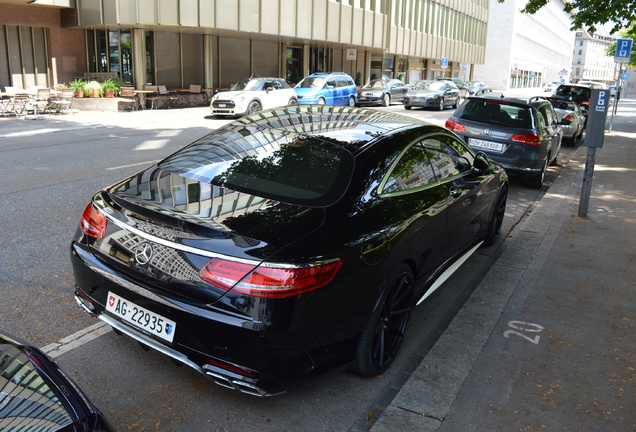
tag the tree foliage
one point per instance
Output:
(590, 13)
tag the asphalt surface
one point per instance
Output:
(558, 356)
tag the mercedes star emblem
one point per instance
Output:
(143, 253)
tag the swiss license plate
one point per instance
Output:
(485, 144)
(221, 105)
(138, 316)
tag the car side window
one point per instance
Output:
(332, 83)
(413, 170)
(448, 157)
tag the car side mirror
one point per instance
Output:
(482, 163)
(269, 89)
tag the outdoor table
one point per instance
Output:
(142, 97)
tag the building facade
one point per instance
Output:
(590, 60)
(526, 50)
(217, 42)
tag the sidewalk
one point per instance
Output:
(546, 341)
(141, 119)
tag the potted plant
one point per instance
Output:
(94, 89)
(78, 85)
(110, 87)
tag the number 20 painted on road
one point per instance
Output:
(522, 326)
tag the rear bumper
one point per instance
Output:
(94, 280)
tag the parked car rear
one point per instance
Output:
(523, 135)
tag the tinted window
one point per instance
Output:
(413, 170)
(492, 111)
(445, 153)
(294, 168)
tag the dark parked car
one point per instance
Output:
(36, 395)
(523, 135)
(432, 94)
(382, 92)
(476, 88)
(287, 243)
(579, 93)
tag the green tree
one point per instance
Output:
(629, 33)
(589, 13)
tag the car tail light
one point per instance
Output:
(230, 368)
(454, 126)
(93, 223)
(267, 280)
(569, 117)
(525, 138)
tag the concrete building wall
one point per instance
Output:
(526, 50)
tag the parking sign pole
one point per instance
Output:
(594, 137)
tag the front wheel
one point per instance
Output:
(386, 100)
(385, 331)
(292, 102)
(351, 102)
(253, 107)
(440, 107)
(321, 101)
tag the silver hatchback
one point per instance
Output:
(521, 134)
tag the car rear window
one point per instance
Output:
(495, 112)
(276, 163)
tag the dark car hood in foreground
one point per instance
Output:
(35, 395)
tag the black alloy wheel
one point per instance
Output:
(253, 107)
(381, 339)
(496, 220)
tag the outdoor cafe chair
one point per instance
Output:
(128, 97)
(169, 99)
(41, 101)
(153, 97)
(62, 102)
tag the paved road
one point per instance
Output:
(46, 180)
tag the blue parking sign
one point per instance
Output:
(623, 50)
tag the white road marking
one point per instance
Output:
(132, 165)
(77, 339)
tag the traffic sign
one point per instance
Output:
(445, 62)
(623, 50)
(625, 76)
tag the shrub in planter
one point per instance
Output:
(93, 89)
(78, 85)
(111, 87)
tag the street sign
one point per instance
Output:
(625, 76)
(531, 74)
(445, 62)
(623, 50)
(595, 129)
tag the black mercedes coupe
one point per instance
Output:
(287, 243)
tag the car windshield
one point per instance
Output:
(495, 112)
(428, 85)
(279, 164)
(573, 91)
(473, 83)
(247, 84)
(377, 84)
(311, 82)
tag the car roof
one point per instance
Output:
(519, 100)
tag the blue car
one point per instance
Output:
(331, 88)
